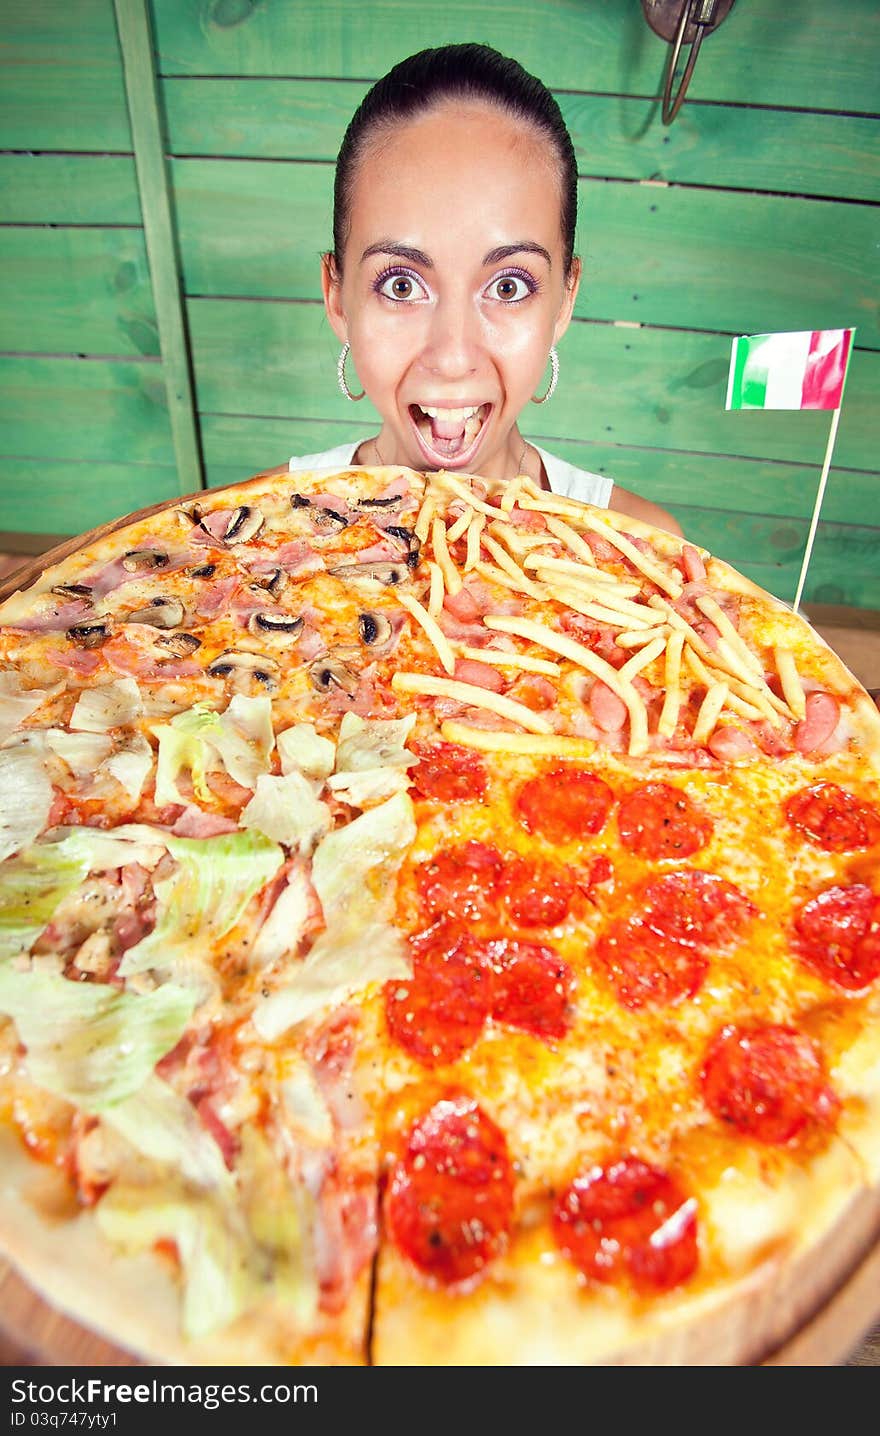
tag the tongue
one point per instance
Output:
(447, 428)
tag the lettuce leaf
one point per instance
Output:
(344, 960)
(204, 898)
(366, 743)
(234, 1254)
(25, 796)
(82, 752)
(131, 765)
(110, 705)
(353, 872)
(17, 703)
(200, 740)
(210, 1243)
(31, 887)
(103, 848)
(88, 1042)
(287, 810)
(166, 1128)
(355, 865)
(302, 750)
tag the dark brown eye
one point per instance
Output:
(398, 286)
(509, 287)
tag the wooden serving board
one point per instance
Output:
(844, 1328)
(32, 1333)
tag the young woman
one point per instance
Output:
(452, 277)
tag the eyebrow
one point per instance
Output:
(418, 256)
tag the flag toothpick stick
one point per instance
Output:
(802, 370)
(820, 494)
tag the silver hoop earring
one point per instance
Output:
(340, 375)
(554, 376)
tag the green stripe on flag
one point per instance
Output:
(748, 376)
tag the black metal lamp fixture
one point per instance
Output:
(680, 23)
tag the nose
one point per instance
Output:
(452, 344)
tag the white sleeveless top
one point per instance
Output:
(563, 478)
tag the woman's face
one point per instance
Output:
(453, 287)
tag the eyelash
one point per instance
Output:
(396, 271)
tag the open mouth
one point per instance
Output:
(449, 437)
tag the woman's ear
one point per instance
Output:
(573, 284)
(331, 287)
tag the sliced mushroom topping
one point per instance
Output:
(73, 590)
(299, 501)
(243, 668)
(380, 503)
(274, 583)
(205, 570)
(141, 560)
(410, 541)
(89, 635)
(328, 519)
(245, 523)
(161, 612)
(181, 645)
(374, 627)
(329, 672)
(282, 625)
(389, 574)
(193, 512)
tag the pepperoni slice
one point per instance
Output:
(449, 773)
(534, 893)
(695, 908)
(449, 1205)
(628, 1223)
(646, 968)
(838, 936)
(564, 804)
(461, 882)
(532, 988)
(767, 1082)
(833, 819)
(659, 821)
(439, 1012)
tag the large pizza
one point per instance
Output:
(439, 923)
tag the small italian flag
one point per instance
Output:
(802, 370)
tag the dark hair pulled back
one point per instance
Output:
(454, 72)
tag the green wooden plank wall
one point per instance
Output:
(759, 208)
(84, 432)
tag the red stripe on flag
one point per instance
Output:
(823, 379)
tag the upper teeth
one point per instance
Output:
(450, 415)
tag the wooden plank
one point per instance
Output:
(68, 189)
(649, 387)
(684, 257)
(843, 567)
(136, 42)
(86, 409)
(60, 499)
(76, 291)
(236, 447)
(739, 262)
(823, 58)
(729, 146)
(61, 78)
